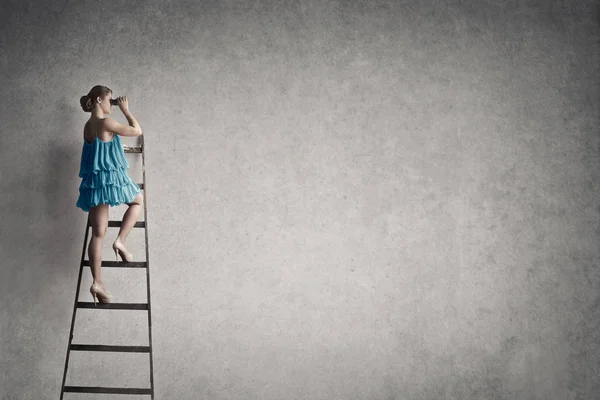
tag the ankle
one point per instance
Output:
(98, 282)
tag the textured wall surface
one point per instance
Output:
(346, 200)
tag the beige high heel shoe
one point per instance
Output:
(120, 250)
(97, 292)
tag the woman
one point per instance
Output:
(105, 181)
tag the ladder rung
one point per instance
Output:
(117, 349)
(111, 390)
(132, 149)
(113, 306)
(117, 224)
(119, 264)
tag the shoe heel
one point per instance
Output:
(125, 257)
(100, 295)
(94, 296)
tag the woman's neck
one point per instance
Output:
(97, 113)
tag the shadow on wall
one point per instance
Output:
(64, 223)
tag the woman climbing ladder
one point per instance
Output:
(105, 181)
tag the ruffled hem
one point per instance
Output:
(102, 156)
(114, 177)
(111, 195)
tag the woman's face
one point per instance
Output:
(105, 103)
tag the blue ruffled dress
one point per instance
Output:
(104, 176)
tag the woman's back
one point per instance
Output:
(96, 128)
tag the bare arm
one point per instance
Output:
(132, 121)
(123, 130)
(133, 129)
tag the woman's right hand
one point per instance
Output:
(123, 104)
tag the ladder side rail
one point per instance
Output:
(143, 151)
(87, 230)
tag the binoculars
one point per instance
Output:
(114, 102)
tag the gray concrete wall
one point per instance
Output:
(347, 200)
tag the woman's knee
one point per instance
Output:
(139, 199)
(98, 231)
(99, 220)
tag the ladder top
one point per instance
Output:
(128, 149)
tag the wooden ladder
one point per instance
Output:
(115, 306)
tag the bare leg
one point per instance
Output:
(129, 219)
(99, 223)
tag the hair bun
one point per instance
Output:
(86, 103)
